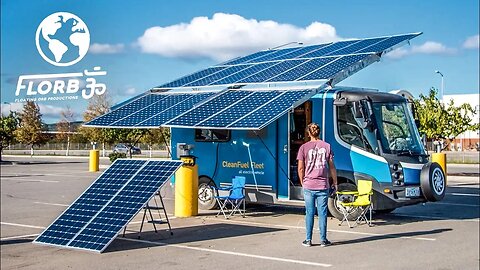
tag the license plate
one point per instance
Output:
(412, 192)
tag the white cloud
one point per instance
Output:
(98, 48)
(225, 36)
(429, 47)
(432, 47)
(471, 42)
(131, 91)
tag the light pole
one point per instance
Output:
(441, 91)
(286, 44)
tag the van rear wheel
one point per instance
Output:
(206, 194)
(334, 206)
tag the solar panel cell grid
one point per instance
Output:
(334, 67)
(362, 44)
(219, 75)
(299, 53)
(265, 114)
(302, 69)
(84, 208)
(174, 111)
(245, 73)
(125, 110)
(149, 111)
(278, 53)
(127, 203)
(272, 71)
(240, 109)
(209, 108)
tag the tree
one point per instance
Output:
(8, 126)
(31, 126)
(156, 136)
(440, 121)
(97, 106)
(64, 126)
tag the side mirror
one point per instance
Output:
(340, 102)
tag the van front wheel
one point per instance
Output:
(206, 194)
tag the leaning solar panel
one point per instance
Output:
(103, 228)
(77, 215)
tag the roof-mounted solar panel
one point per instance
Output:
(183, 102)
(233, 71)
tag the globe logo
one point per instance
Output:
(62, 39)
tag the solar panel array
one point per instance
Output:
(331, 62)
(317, 62)
(151, 110)
(116, 196)
(241, 109)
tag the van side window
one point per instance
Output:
(349, 130)
(212, 135)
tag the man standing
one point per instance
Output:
(315, 160)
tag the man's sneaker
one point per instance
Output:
(325, 243)
(307, 243)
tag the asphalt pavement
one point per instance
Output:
(34, 191)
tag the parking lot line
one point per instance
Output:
(464, 194)
(18, 237)
(337, 231)
(55, 204)
(21, 225)
(458, 204)
(25, 180)
(436, 218)
(229, 252)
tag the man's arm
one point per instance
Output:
(333, 172)
(301, 171)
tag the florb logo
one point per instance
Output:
(62, 39)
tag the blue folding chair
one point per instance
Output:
(234, 202)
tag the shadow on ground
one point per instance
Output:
(187, 235)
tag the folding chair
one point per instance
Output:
(235, 200)
(360, 200)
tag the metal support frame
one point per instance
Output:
(148, 208)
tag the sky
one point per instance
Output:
(143, 44)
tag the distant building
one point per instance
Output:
(469, 139)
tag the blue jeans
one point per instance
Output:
(321, 199)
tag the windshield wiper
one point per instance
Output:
(410, 153)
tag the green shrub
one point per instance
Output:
(114, 156)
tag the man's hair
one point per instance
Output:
(313, 129)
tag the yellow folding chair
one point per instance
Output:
(360, 202)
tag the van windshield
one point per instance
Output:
(396, 129)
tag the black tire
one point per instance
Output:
(334, 205)
(432, 182)
(206, 199)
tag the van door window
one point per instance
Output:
(212, 135)
(351, 132)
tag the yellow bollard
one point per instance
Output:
(94, 161)
(441, 159)
(186, 188)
